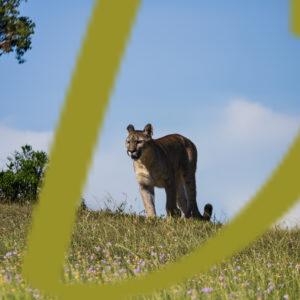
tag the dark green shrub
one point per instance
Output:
(22, 179)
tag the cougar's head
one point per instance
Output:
(137, 140)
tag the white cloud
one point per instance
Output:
(13, 139)
(245, 129)
(250, 122)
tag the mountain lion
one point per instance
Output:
(168, 162)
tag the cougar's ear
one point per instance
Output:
(130, 128)
(148, 130)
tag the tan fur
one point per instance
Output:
(170, 163)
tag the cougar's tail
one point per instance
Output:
(208, 209)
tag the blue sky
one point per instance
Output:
(214, 71)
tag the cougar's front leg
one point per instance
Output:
(147, 193)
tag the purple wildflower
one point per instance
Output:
(206, 290)
(137, 270)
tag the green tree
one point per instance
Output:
(15, 30)
(22, 179)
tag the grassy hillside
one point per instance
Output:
(108, 247)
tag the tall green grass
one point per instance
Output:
(107, 247)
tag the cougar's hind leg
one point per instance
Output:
(188, 171)
(192, 208)
(171, 205)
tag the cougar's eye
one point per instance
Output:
(139, 142)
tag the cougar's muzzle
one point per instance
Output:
(135, 154)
